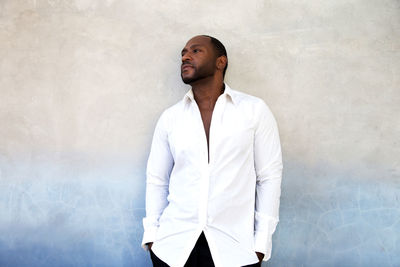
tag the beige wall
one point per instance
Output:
(82, 83)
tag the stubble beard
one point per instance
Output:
(188, 80)
(197, 75)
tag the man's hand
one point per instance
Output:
(260, 256)
(151, 244)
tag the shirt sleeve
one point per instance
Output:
(159, 166)
(268, 166)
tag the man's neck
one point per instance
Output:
(207, 93)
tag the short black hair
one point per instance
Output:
(219, 49)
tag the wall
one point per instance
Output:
(83, 82)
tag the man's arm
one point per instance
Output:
(159, 168)
(268, 166)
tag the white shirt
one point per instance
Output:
(233, 198)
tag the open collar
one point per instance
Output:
(228, 91)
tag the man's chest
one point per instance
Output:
(194, 133)
(206, 116)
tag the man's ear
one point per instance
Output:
(221, 62)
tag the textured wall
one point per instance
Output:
(83, 82)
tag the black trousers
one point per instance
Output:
(199, 257)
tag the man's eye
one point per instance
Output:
(195, 50)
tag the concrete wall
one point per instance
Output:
(83, 82)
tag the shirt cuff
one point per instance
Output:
(149, 235)
(263, 244)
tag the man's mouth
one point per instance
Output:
(186, 66)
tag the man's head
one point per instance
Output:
(203, 57)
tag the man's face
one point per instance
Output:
(198, 60)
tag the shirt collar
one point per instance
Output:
(228, 91)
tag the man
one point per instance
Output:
(214, 171)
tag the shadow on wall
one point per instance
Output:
(329, 217)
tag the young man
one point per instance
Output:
(214, 171)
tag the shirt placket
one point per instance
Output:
(203, 162)
(207, 159)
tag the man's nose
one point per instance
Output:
(186, 57)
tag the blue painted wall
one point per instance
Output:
(329, 217)
(62, 219)
(332, 217)
(83, 82)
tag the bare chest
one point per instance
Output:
(206, 115)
